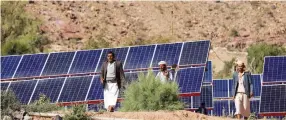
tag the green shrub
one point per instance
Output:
(257, 52)
(9, 103)
(234, 33)
(42, 105)
(78, 113)
(149, 94)
(20, 32)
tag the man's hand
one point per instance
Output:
(233, 98)
(251, 95)
(101, 80)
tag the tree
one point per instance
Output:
(20, 32)
(257, 52)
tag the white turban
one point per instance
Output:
(162, 62)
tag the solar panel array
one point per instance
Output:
(88, 87)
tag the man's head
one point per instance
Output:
(174, 66)
(110, 56)
(240, 66)
(162, 65)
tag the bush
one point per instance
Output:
(149, 94)
(78, 113)
(42, 105)
(98, 42)
(20, 32)
(9, 103)
(257, 52)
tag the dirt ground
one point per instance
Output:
(159, 115)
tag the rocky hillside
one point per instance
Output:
(235, 25)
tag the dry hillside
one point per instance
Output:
(232, 25)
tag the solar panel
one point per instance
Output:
(221, 108)
(23, 90)
(254, 106)
(75, 89)
(4, 85)
(274, 69)
(49, 87)
(9, 65)
(120, 55)
(190, 79)
(188, 101)
(85, 61)
(206, 97)
(96, 89)
(273, 99)
(195, 53)
(131, 76)
(139, 57)
(256, 82)
(58, 63)
(232, 107)
(220, 88)
(230, 84)
(167, 52)
(31, 65)
(208, 73)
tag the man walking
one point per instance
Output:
(112, 77)
(242, 90)
(164, 75)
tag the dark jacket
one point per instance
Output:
(119, 73)
(247, 83)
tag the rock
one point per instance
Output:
(7, 118)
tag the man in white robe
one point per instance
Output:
(112, 77)
(164, 75)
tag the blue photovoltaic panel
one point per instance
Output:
(254, 106)
(49, 87)
(208, 72)
(230, 87)
(220, 88)
(190, 79)
(206, 97)
(31, 65)
(75, 89)
(232, 107)
(167, 52)
(85, 61)
(187, 101)
(221, 108)
(9, 65)
(195, 53)
(256, 82)
(274, 69)
(96, 89)
(139, 57)
(4, 85)
(273, 99)
(23, 90)
(120, 55)
(58, 63)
